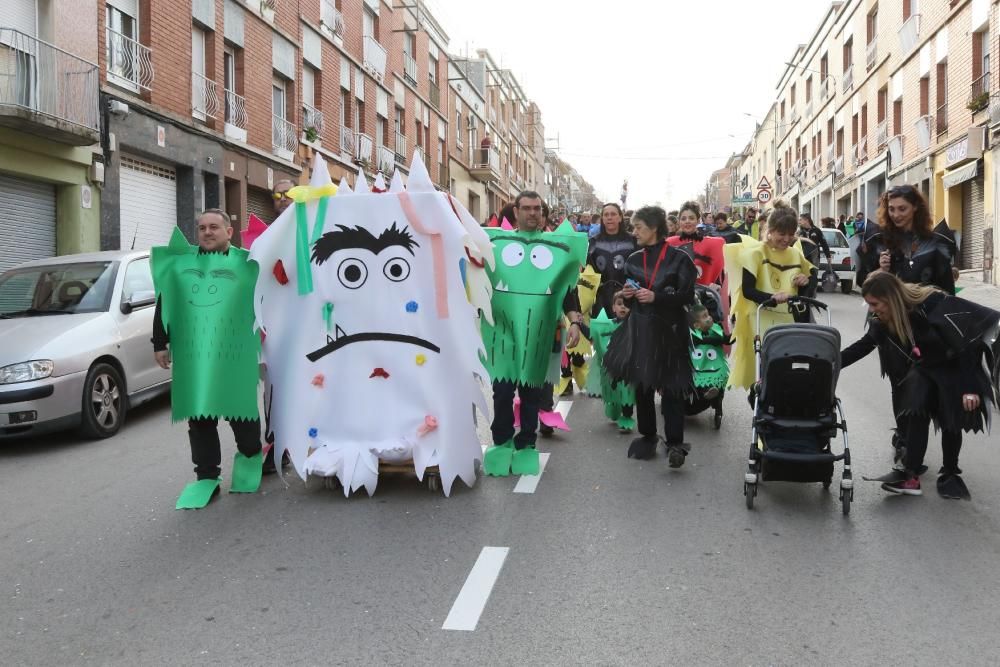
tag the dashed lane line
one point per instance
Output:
(475, 593)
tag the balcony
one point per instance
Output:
(400, 147)
(942, 119)
(925, 129)
(386, 160)
(485, 165)
(809, 110)
(444, 178)
(979, 96)
(435, 94)
(347, 142)
(795, 115)
(374, 57)
(204, 97)
(847, 83)
(827, 88)
(312, 120)
(838, 167)
(909, 34)
(829, 154)
(422, 154)
(871, 53)
(860, 152)
(47, 91)
(409, 69)
(130, 64)
(283, 139)
(331, 21)
(236, 116)
(896, 145)
(364, 146)
(882, 133)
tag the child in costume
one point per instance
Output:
(574, 362)
(203, 325)
(708, 356)
(618, 397)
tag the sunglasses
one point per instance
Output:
(278, 196)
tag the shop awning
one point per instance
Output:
(960, 175)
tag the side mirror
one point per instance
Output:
(139, 299)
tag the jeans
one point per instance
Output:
(206, 452)
(673, 416)
(503, 413)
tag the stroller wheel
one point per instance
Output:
(846, 496)
(749, 491)
(826, 484)
(718, 421)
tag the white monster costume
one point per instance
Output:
(379, 358)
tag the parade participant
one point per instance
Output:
(724, 230)
(618, 397)
(672, 224)
(200, 289)
(607, 253)
(810, 231)
(932, 349)
(711, 369)
(650, 352)
(707, 250)
(533, 279)
(280, 196)
(750, 226)
(760, 272)
(574, 364)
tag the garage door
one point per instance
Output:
(28, 221)
(260, 203)
(148, 203)
(973, 223)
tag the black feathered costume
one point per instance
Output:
(607, 254)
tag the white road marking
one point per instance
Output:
(528, 483)
(471, 600)
(563, 409)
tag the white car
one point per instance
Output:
(75, 346)
(842, 261)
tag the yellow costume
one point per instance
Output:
(586, 290)
(774, 271)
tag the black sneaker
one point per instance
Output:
(675, 456)
(643, 448)
(951, 486)
(905, 487)
(545, 431)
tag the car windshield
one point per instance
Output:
(835, 239)
(57, 289)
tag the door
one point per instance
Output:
(148, 203)
(973, 223)
(136, 328)
(260, 203)
(29, 218)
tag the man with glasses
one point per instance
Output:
(280, 195)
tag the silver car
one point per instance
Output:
(75, 345)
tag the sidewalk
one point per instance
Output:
(975, 290)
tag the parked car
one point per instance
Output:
(842, 261)
(75, 343)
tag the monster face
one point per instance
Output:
(533, 273)
(709, 361)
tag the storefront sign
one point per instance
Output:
(970, 147)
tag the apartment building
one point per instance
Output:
(885, 93)
(50, 166)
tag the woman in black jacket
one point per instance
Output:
(607, 254)
(932, 350)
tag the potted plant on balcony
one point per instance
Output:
(978, 102)
(312, 135)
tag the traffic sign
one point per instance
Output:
(764, 196)
(764, 184)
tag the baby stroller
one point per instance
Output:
(703, 398)
(796, 410)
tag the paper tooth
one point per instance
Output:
(548, 290)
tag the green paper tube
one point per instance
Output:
(302, 267)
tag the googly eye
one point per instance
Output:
(352, 273)
(396, 269)
(512, 254)
(541, 257)
(711, 355)
(697, 355)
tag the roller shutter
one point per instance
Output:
(28, 223)
(973, 223)
(148, 203)
(260, 203)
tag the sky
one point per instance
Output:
(658, 92)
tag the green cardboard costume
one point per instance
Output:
(709, 360)
(206, 302)
(614, 395)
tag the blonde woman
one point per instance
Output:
(932, 349)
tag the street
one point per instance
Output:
(610, 561)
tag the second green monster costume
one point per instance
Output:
(616, 395)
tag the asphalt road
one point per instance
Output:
(610, 561)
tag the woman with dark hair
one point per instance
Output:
(904, 243)
(651, 350)
(607, 254)
(760, 272)
(932, 349)
(707, 250)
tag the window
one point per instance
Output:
(925, 95)
(369, 26)
(854, 130)
(199, 85)
(308, 86)
(840, 142)
(910, 7)
(229, 85)
(409, 42)
(782, 109)
(871, 25)
(897, 117)
(345, 108)
(380, 131)
(809, 89)
(458, 127)
(432, 69)
(278, 97)
(359, 114)
(848, 53)
(824, 68)
(122, 50)
(793, 96)
(138, 279)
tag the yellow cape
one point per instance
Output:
(774, 271)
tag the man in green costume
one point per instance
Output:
(204, 326)
(533, 285)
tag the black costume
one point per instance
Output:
(651, 351)
(730, 234)
(607, 254)
(918, 260)
(815, 234)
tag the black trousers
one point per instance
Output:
(503, 412)
(206, 452)
(917, 432)
(673, 416)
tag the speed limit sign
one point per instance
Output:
(764, 196)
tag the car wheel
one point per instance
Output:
(104, 402)
(846, 286)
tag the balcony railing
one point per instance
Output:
(909, 33)
(386, 160)
(347, 141)
(827, 88)
(204, 96)
(409, 68)
(871, 53)
(331, 20)
(848, 81)
(896, 145)
(374, 57)
(838, 166)
(882, 133)
(283, 137)
(979, 96)
(312, 119)
(400, 147)
(236, 116)
(364, 145)
(42, 79)
(795, 115)
(861, 152)
(422, 154)
(435, 94)
(130, 64)
(925, 129)
(942, 119)
(488, 157)
(829, 154)
(809, 109)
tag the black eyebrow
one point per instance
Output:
(197, 272)
(555, 244)
(358, 237)
(223, 273)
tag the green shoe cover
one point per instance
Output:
(496, 460)
(247, 471)
(197, 494)
(525, 461)
(626, 422)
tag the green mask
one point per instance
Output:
(206, 302)
(534, 271)
(601, 329)
(710, 366)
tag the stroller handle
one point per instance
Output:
(793, 300)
